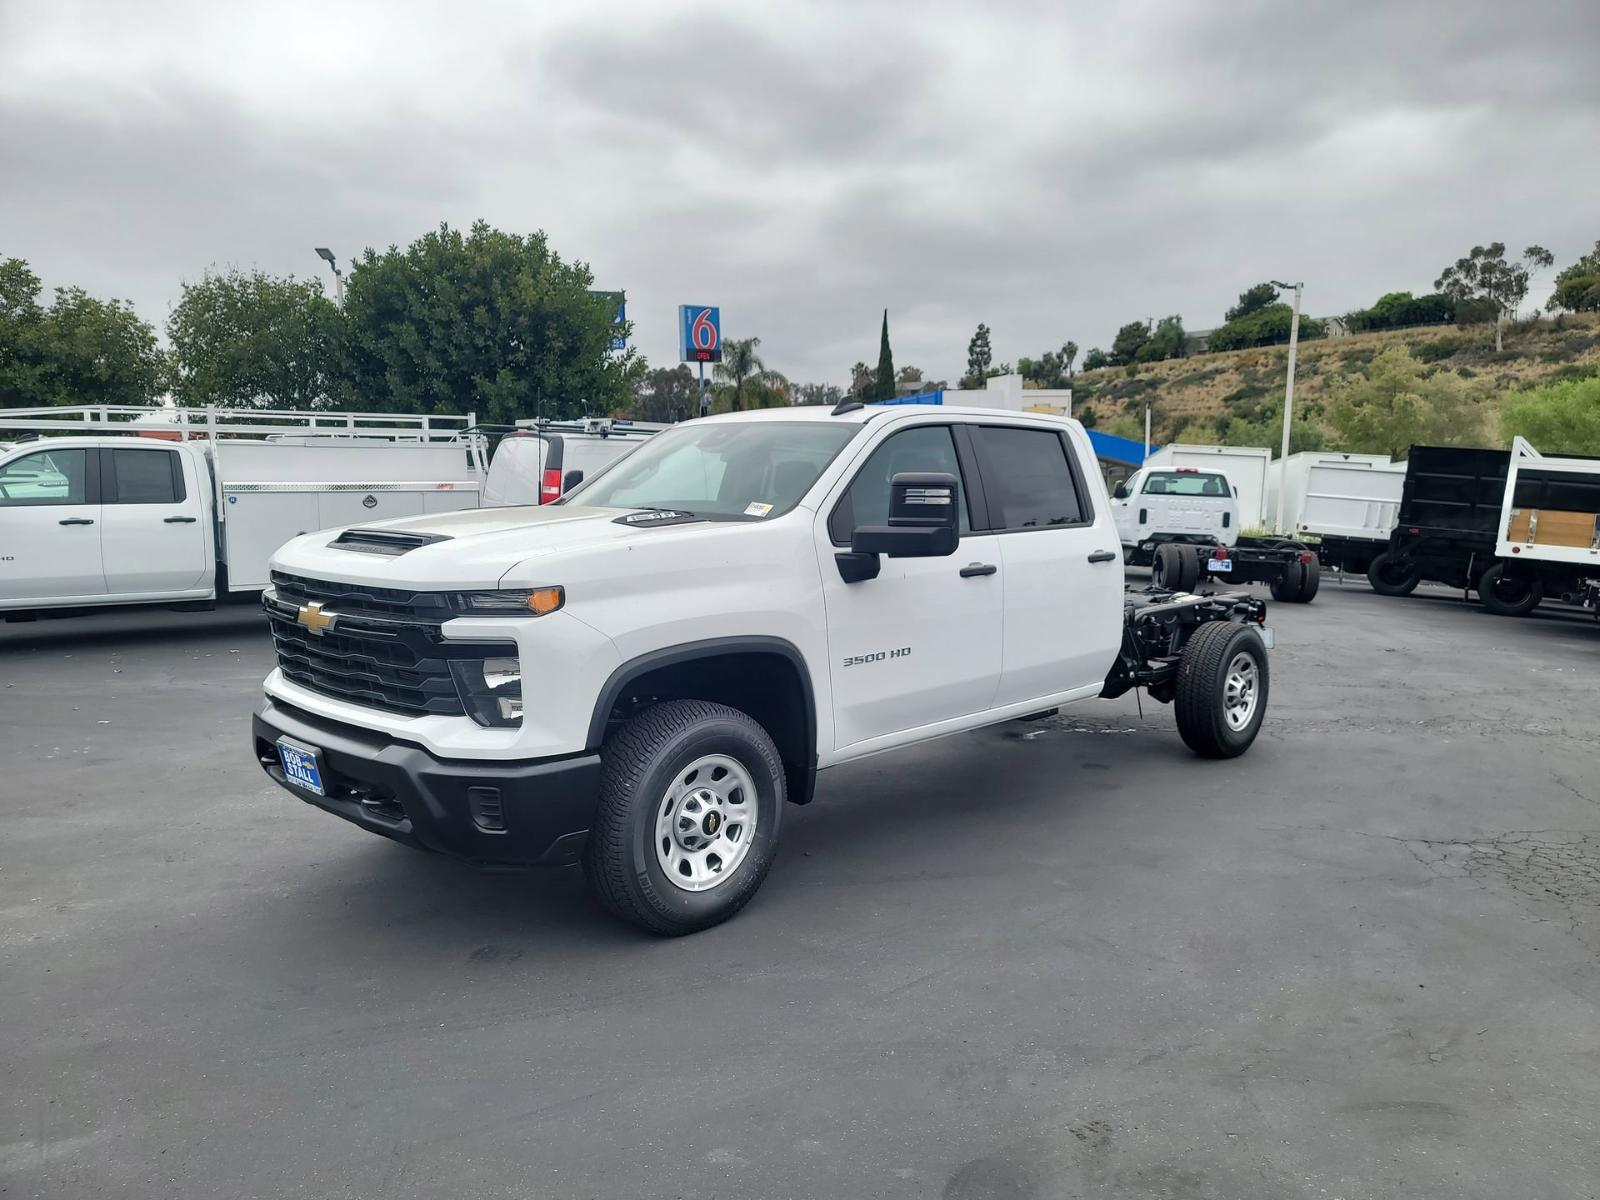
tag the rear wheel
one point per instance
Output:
(1298, 583)
(1508, 597)
(1220, 698)
(1176, 567)
(691, 799)
(1389, 575)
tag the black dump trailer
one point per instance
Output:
(1447, 529)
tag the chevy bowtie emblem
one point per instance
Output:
(314, 619)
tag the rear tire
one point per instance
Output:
(677, 783)
(1508, 597)
(1391, 576)
(1176, 567)
(1299, 582)
(1221, 693)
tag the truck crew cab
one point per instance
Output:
(641, 675)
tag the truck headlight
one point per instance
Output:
(490, 690)
(522, 602)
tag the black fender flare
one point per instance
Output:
(803, 780)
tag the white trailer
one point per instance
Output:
(1292, 477)
(126, 505)
(1245, 467)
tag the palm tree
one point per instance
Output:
(740, 365)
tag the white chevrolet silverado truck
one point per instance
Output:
(643, 675)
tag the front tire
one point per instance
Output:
(1221, 695)
(691, 803)
(1508, 597)
(1391, 576)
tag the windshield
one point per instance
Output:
(1185, 483)
(732, 470)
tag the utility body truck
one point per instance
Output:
(1348, 507)
(642, 675)
(128, 505)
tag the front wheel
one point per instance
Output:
(691, 800)
(1221, 695)
(1389, 575)
(1507, 597)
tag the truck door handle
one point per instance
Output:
(76, 521)
(973, 570)
(177, 520)
(1103, 556)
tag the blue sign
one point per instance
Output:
(699, 334)
(934, 397)
(618, 342)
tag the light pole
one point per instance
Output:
(1288, 395)
(338, 276)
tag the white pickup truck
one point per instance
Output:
(643, 674)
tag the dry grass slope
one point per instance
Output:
(1199, 390)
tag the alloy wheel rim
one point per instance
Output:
(706, 823)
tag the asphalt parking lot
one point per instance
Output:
(1063, 959)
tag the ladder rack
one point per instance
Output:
(211, 422)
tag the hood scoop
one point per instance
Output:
(389, 542)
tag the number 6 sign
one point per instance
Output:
(699, 333)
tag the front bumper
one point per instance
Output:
(491, 813)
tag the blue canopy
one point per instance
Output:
(1116, 449)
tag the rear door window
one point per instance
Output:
(146, 477)
(1028, 478)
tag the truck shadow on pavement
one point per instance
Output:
(145, 629)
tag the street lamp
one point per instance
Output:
(338, 277)
(1288, 393)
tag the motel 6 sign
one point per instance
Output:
(699, 334)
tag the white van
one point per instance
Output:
(1186, 505)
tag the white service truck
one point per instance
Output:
(127, 505)
(642, 675)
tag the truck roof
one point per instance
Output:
(869, 412)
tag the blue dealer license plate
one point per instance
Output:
(301, 766)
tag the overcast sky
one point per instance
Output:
(1051, 169)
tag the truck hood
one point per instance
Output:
(474, 548)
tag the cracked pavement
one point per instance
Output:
(1057, 959)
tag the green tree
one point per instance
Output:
(79, 350)
(1052, 369)
(818, 393)
(1267, 326)
(1096, 359)
(882, 386)
(1165, 341)
(908, 374)
(489, 322)
(1578, 286)
(1130, 339)
(1252, 300)
(1395, 404)
(1069, 355)
(254, 339)
(741, 368)
(1484, 274)
(1558, 418)
(21, 341)
(665, 394)
(979, 356)
(1400, 310)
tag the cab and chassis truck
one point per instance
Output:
(643, 675)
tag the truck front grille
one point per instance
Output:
(382, 649)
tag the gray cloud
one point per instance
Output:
(1051, 170)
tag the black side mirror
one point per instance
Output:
(1121, 491)
(924, 518)
(571, 480)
